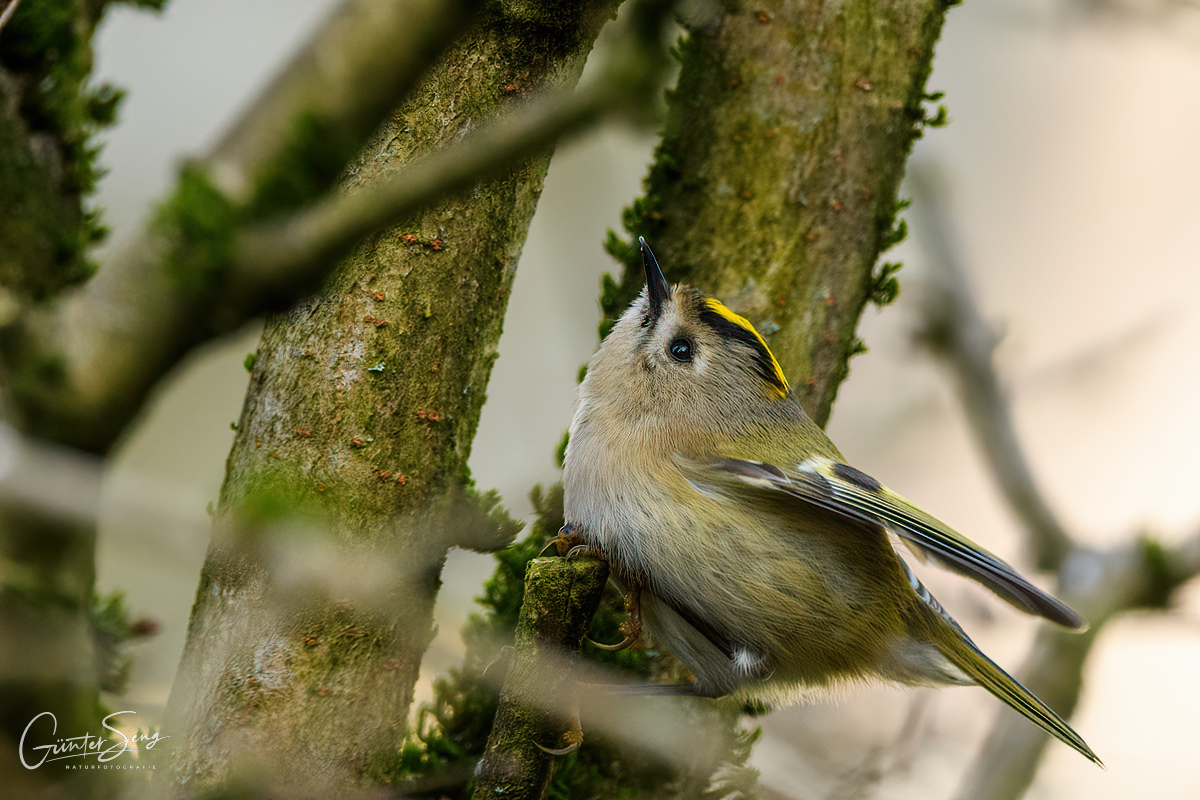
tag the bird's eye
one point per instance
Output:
(680, 349)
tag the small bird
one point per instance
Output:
(759, 557)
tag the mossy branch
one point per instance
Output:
(775, 184)
(50, 113)
(77, 372)
(561, 595)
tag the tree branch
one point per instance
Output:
(109, 343)
(955, 331)
(275, 255)
(7, 13)
(561, 595)
(1100, 585)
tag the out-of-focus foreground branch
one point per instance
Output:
(10, 7)
(168, 290)
(1099, 584)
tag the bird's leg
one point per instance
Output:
(573, 736)
(632, 626)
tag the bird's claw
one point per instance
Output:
(631, 627)
(560, 751)
(573, 737)
(627, 642)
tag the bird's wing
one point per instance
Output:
(844, 490)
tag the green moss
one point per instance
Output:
(560, 452)
(250, 360)
(479, 521)
(610, 293)
(48, 49)
(201, 224)
(312, 160)
(885, 288)
(1162, 580)
(281, 495)
(892, 229)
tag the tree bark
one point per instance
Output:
(774, 187)
(347, 481)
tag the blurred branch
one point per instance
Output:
(561, 595)
(955, 331)
(317, 113)
(110, 342)
(7, 13)
(50, 482)
(1100, 585)
(272, 256)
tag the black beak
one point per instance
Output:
(657, 287)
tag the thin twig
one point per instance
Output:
(956, 332)
(1100, 585)
(270, 256)
(7, 13)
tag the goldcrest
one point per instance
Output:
(763, 561)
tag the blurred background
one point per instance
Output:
(1070, 169)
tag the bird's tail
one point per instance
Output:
(963, 653)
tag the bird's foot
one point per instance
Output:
(573, 737)
(568, 543)
(631, 627)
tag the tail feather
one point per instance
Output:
(985, 672)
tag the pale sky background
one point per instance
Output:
(1072, 169)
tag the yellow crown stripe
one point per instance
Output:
(718, 307)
